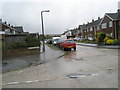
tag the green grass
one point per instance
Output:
(53, 46)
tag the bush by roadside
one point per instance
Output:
(109, 40)
(87, 41)
(29, 41)
(100, 38)
(32, 41)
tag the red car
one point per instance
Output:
(68, 44)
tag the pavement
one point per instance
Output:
(87, 67)
(95, 45)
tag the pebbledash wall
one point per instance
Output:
(8, 40)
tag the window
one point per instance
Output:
(98, 28)
(7, 30)
(70, 41)
(104, 26)
(91, 29)
(88, 29)
(110, 24)
(79, 31)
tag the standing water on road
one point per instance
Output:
(30, 60)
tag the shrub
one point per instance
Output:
(109, 36)
(105, 39)
(17, 45)
(32, 41)
(100, 38)
(116, 42)
(109, 42)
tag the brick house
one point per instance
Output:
(88, 31)
(110, 24)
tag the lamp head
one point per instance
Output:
(46, 11)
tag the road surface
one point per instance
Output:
(87, 67)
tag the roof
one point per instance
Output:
(94, 23)
(74, 31)
(18, 28)
(65, 32)
(91, 24)
(113, 16)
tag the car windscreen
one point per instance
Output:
(56, 39)
(70, 41)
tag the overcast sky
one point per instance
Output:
(63, 15)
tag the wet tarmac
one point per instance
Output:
(15, 63)
(87, 67)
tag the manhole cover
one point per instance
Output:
(78, 75)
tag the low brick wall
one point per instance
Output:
(19, 52)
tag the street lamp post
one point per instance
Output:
(43, 28)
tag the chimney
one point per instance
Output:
(92, 20)
(12, 26)
(87, 22)
(83, 23)
(118, 13)
(98, 18)
(0, 20)
(119, 9)
(5, 22)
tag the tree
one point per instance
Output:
(100, 37)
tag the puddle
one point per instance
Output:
(75, 75)
(78, 59)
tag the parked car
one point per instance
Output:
(68, 44)
(49, 41)
(90, 38)
(55, 41)
(77, 39)
(58, 42)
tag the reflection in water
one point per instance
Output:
(70, 54)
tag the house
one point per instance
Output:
(110, 24)
(67, 34)
(5, 28)
(74, 32)
(19, 29)
(8, 29)
(88, 31)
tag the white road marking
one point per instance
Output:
(11, 83)
(36, 81)
(20, 71)
(28, 81)
(94, 74)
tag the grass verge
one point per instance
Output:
(53, 46)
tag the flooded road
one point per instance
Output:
(30, 60)
(87, 67)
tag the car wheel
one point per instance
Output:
(69, 49)
(64, 49)
(74, 48)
